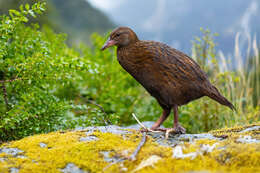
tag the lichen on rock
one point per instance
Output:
(101, 149)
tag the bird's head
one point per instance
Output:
(121, 37)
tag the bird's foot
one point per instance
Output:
(153, 130)
(144, 130)
(179, 129)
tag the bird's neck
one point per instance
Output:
(122, 51)
(126, 50)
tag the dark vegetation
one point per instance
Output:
(48, 86)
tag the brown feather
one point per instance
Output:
(169, 75)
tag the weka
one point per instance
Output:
(169, 75)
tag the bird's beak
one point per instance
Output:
(108, 43)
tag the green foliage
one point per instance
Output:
(33, 64)
(47, 86)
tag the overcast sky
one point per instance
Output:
(176, 22)
(106, 5)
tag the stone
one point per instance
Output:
(107, 149)
(11, 151)
(43, 145)
(88, 138)
(72, 168)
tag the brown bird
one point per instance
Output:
(169, 75)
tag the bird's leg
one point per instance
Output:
(165, 114)
(177, 128)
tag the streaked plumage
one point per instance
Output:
(169, 75)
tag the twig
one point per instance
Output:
(140, 145)
(158, 130)
(10, 80)
(142, 125)
(5, 95)
(133, 156)
(118, 161)
(106, 121)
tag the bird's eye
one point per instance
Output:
(117, 35)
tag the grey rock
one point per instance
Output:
(14, 170)
(247, 139)
(21, 157)
(107, 158)
(43, 145)
(107, 129)
(250, 129)
(115, 129)
(11, 151)
(88, 138)
(175, 139)
(191, 137)
(72, 168)
(147, 124)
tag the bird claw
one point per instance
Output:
(144, 130)
(152, 130)
(179, 129)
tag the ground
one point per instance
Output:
(107, 149)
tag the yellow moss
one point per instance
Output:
(233, 132)
(65, 147)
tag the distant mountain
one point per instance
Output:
(77, 18)
(176, 22)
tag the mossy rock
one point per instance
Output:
(105, 149)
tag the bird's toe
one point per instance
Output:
(179, 129)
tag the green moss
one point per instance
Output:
(65, 147)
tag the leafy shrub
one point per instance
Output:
(33, 63)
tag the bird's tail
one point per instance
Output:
(213, 93)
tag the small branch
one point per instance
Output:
(10, 80)
(133, 156)
(158, 130)
(118, 161)
(106, 121)
(141, 144)
(142, 125)
(5, 95)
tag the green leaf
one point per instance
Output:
(15, 12)
(21, 8)
(27, 7)
(32, 13)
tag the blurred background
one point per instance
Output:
(171, 21)
(177, 22)
(54, 76)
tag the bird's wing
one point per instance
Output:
(174, 64)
